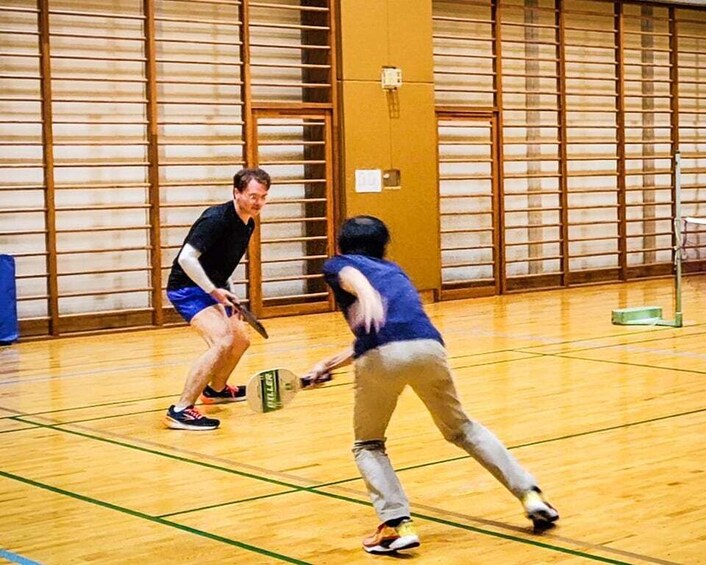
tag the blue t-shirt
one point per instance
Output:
(405, 318)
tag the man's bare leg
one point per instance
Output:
(227, 341)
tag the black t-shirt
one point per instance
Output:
(222, 238)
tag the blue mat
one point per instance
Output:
(9, 328)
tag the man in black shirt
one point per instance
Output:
(199, 289)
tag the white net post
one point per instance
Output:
(678, 240)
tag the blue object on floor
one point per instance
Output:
(9, 328)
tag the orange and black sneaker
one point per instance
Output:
(387, 539)
(228, 394)
(189, 419)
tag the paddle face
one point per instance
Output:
(272, 389)
(250, 318)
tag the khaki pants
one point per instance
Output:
(380, 376)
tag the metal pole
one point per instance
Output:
(678, 248)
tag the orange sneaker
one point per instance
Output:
(228, 394)
(387, 539)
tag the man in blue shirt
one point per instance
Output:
(397, 345)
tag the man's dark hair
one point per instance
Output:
(363, 235)
(244, 176)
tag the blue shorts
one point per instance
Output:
(190, 300)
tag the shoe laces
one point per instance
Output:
(193, 413)
(405, 528)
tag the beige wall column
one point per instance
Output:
(392, 130)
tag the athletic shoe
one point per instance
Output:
(387, 539)
(189, 419)
(542, 514)
(228, 394)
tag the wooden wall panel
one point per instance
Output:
(531, 114)
(595, 98)
(468, 205)
(123, 121)
(594, 131)
(24, 209)
(691, 95)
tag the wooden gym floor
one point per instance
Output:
(611, 420)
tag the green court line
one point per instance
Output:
(510, 537)
(242, 545)
(58, 427)
(345, 371)
(491, 533)
(33, 427)
(127, 402)
(571, 341)
(108, 417)
(149, 518)
(627, 364)
(86, 407)
(343, 481)
(521, 350)
(524, 349)
(315, 490)
(527, 355)
(221, 504)
(530, 444)
(607, 346)
(296, 488)
(416, 514)
(611, 428)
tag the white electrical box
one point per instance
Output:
(368, 180)
(391, 78)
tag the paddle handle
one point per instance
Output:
(310, 380)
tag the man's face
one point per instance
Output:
(252, 199)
